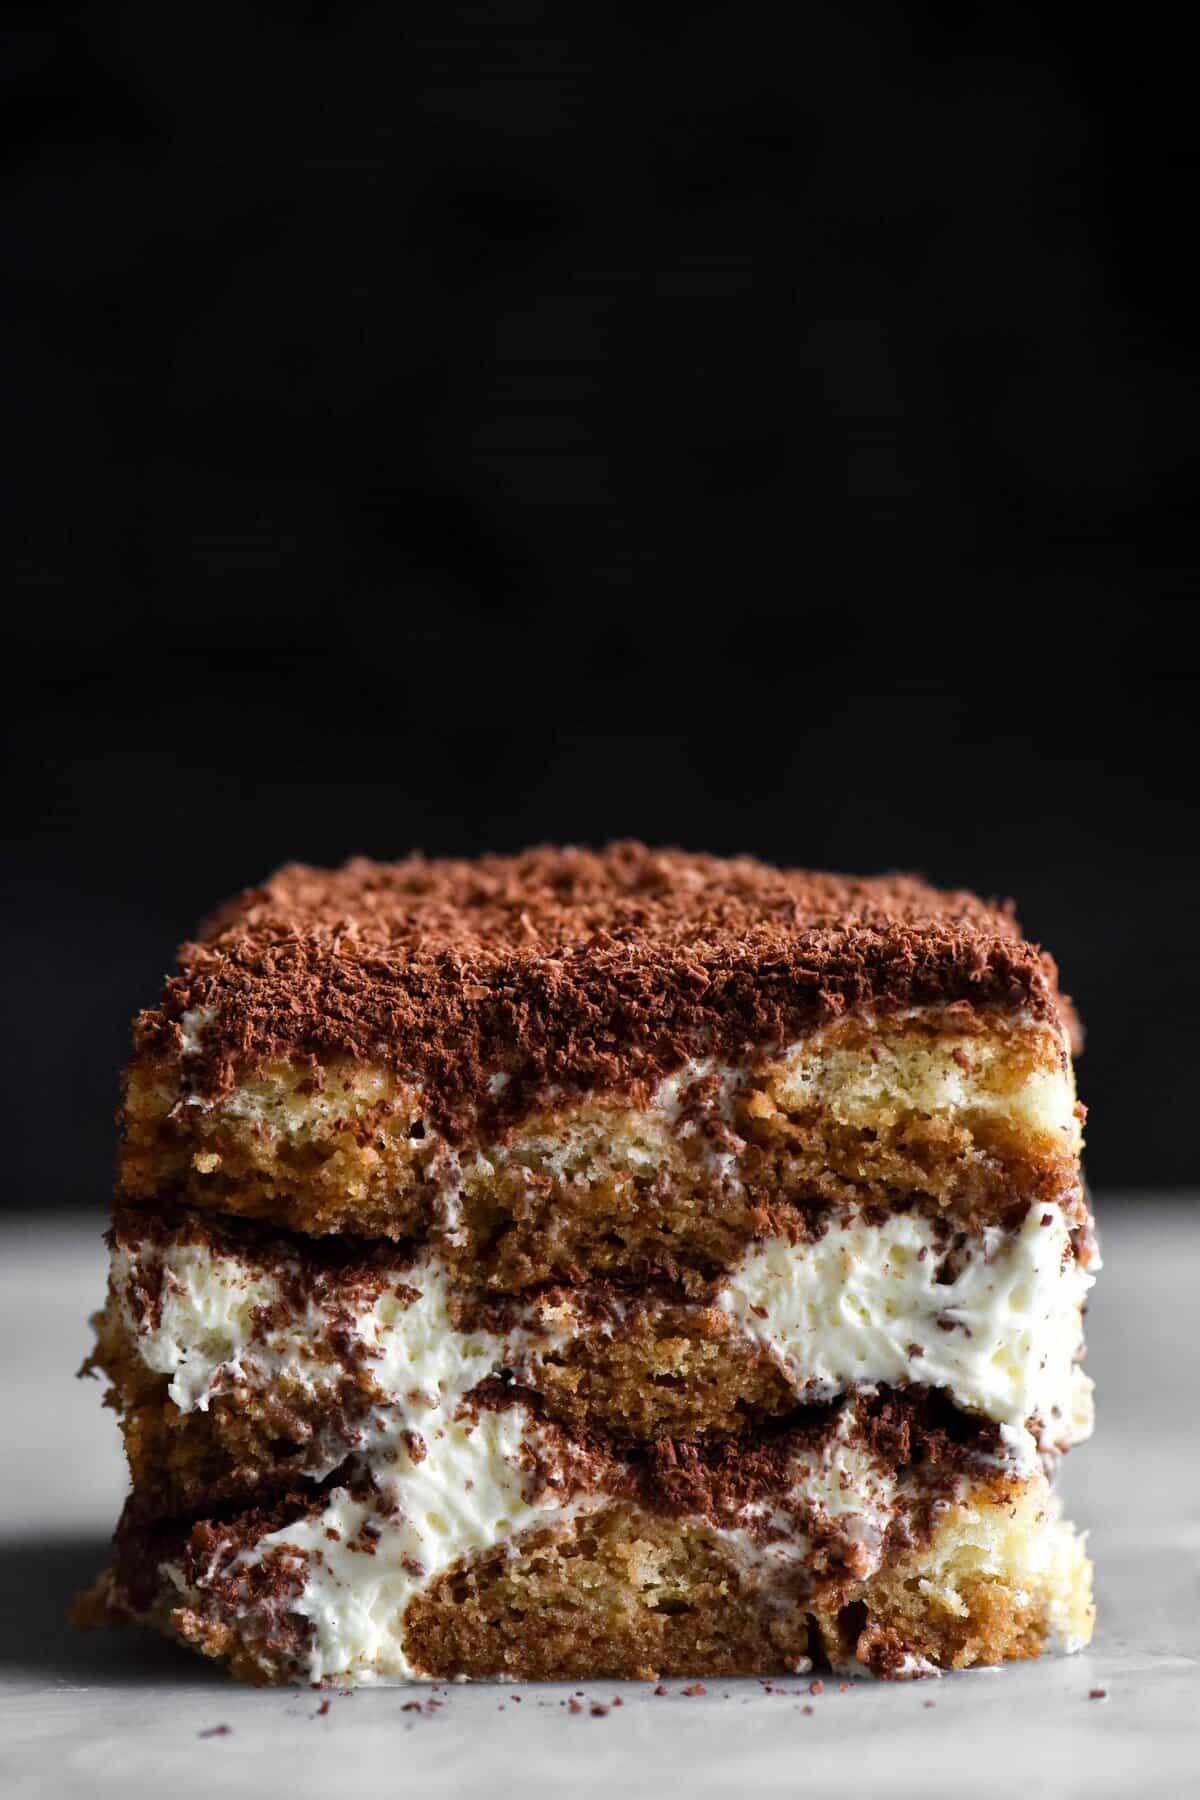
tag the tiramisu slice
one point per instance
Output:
(578, 1265)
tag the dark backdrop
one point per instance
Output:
(458, 426)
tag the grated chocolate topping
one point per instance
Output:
(571, 968)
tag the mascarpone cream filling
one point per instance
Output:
(999, 1326)
(467, 1486)
(867, 1303)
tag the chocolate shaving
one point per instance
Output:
(570, 968)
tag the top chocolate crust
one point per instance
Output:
(572, 967)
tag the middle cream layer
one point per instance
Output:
(995, 1321)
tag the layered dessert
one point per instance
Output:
(620, 1264)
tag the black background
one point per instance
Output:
(460, 426)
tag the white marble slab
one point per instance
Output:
(119, 1713)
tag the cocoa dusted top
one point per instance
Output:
(580, 968)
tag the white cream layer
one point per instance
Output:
(364, 1560)
(359, 1563)
(863, 1305)
(208, 1333)
(860, 1306)
(840, 1313)
(476, 1484)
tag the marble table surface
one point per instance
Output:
(121, 1713)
